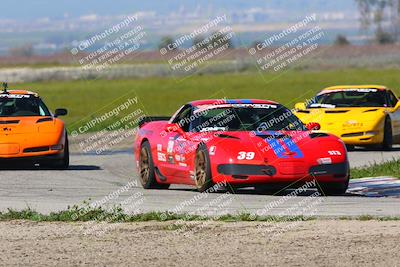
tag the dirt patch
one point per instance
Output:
(312, 243)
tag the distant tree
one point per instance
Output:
(24, 51)
(341, 40)
(373, 14)
(165, 42)
(383, 37)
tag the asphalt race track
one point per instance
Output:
(105, 177)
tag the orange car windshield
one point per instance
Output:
(22, 106)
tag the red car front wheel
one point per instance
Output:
(203, 178)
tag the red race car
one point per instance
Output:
(241, 143)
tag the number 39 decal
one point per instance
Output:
(246, 155)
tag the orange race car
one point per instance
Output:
(29, 132)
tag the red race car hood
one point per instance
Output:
(299, 137)
(281, 145)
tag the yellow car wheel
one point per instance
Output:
(387, 143)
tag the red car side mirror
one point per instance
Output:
(313, 126)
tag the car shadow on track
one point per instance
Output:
(373, 149)
(251, 191)
(286, 192)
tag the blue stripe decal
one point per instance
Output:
(278, 149)
(246, 101)
(231, 101)
(292, 147)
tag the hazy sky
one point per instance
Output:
(57, 8)
(31, 9)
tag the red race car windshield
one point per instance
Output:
(247, 119)
(22, 106)
(350, 98)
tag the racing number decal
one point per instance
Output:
(245, 155)
(334, 153)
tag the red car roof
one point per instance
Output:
(230, 101)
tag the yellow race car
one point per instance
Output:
(360, 115)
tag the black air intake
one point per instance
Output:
(10, 122)
(44, 119)
(36, 149)
(336, 111)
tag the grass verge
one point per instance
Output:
(116, 215)
(88, 99)
(389, 168)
